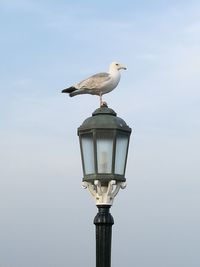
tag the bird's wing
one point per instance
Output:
(95, 81)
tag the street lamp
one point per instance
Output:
(104, 141)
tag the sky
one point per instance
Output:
(46, 217)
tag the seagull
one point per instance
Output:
(98, 84)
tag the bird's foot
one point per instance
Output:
(103, 104)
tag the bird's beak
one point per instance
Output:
(123, 67)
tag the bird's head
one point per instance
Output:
(117, 66)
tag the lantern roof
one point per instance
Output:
(106, 119)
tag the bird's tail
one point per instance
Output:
(69, 90)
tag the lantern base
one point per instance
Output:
(105, 178)
(104, 194)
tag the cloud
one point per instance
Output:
(193, 28)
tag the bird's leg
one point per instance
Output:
(101, 101)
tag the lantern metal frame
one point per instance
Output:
(104, 122)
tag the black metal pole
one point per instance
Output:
(103, 221)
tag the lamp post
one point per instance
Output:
(104, 141)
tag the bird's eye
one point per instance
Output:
(117, 64)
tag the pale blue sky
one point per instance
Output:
(46, 217)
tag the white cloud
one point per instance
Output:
(193, 28)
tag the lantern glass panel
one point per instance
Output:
(88, 153)
(104, 152)
(121, 152)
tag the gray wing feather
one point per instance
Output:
(95, 81)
